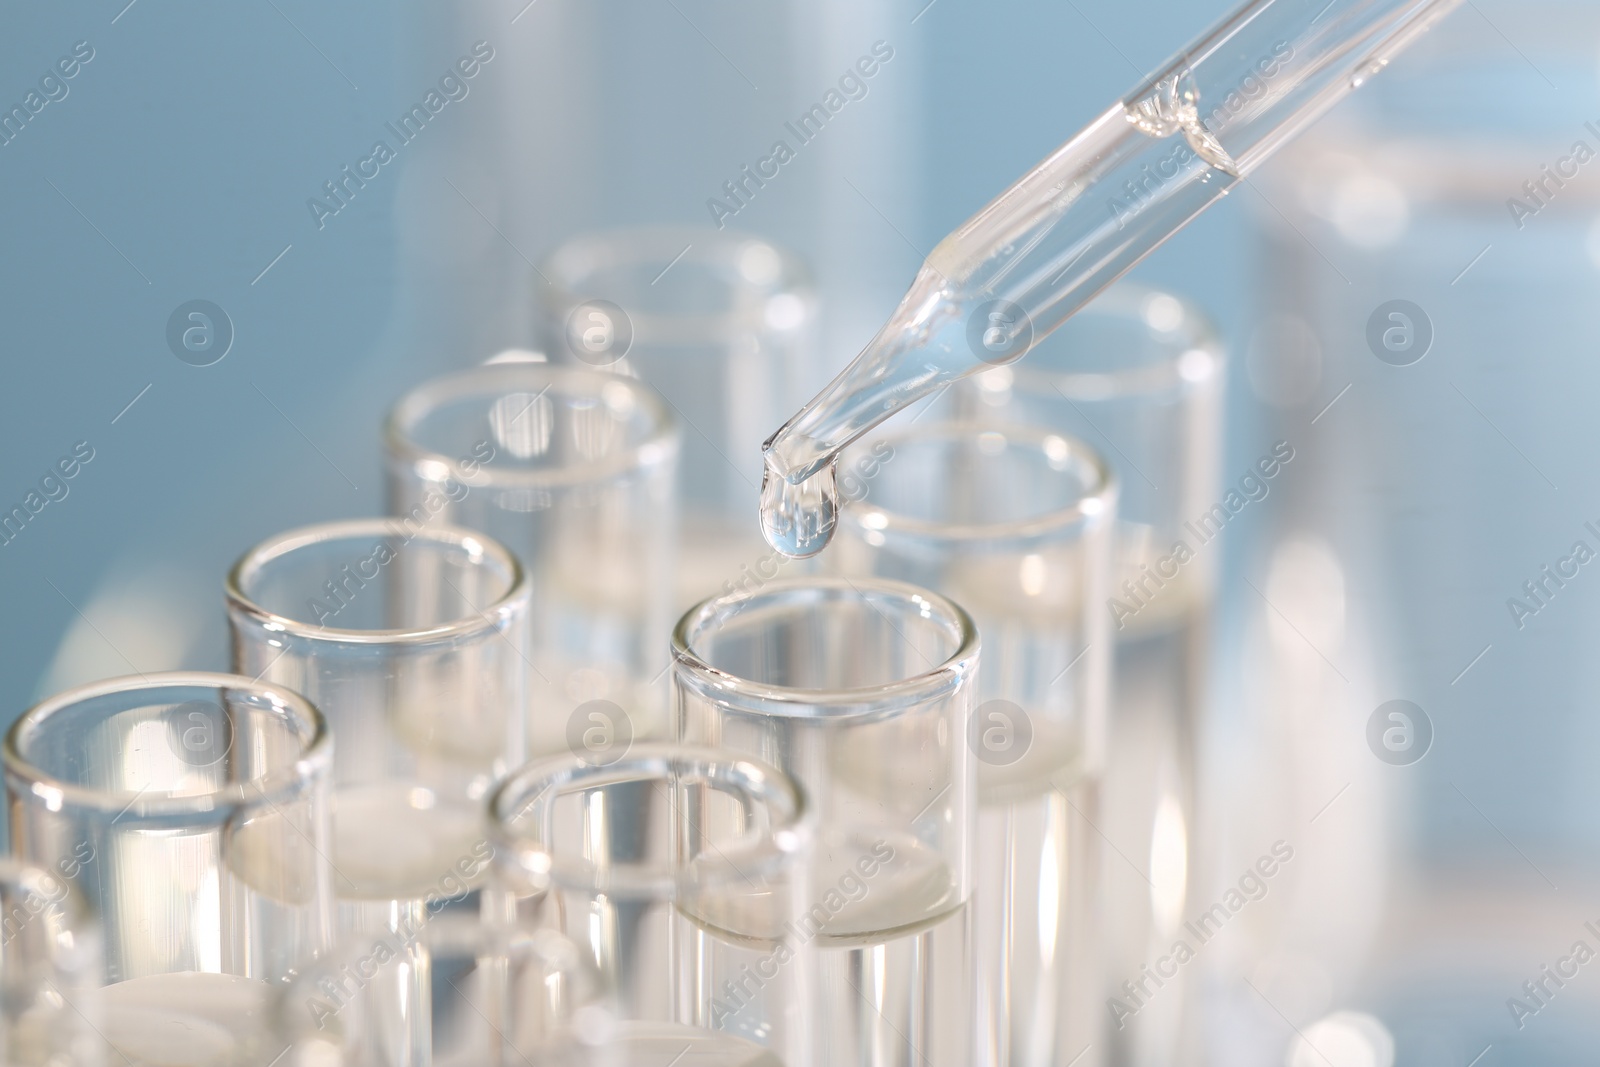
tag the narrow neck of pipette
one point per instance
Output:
(919, 350)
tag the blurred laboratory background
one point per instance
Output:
(1393, 698)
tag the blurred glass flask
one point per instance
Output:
(1442, 427)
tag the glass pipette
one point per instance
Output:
(1082, 218)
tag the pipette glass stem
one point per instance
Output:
(1103, 201)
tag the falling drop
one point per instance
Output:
(797, 520)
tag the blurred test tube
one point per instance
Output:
(722, 325)
(573, 469)
(1015, 524)
(1138, 376)
(191, 812)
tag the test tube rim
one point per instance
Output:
(1046, 526)
(885, 700)
(659, 446)
(492, 618)
(283, 785)
(1195, 332)
(783, 843)
(605, 248)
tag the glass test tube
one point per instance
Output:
(1013, 523)
(573, 469)
(862, 691)
(51, 966)
(191, 812)
(720, 323)
(1138, 375)
(679, 870)
(411, 640)
(498, 995)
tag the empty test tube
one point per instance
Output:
(411, 639)
(1014, 523)
(191, 812)
(573, 469)
(720, 323)
(1140, 374)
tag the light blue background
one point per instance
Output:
(180, 163)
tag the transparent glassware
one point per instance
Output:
(1015, 524)
(722, 324)
(861, 690)
(497, 994)
(680, 871)
(190, 811)
(1051, 242)
(412, 641)
(573, 469)
(52, 964)
(1139, 375)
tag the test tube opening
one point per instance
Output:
(521, 431)
(697, 821)
(677, 285)
(955, 482)
(377, 579)
(178, 743)
(826, 646)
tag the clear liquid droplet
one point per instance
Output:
(798, 520)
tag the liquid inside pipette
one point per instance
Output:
(978, 302)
